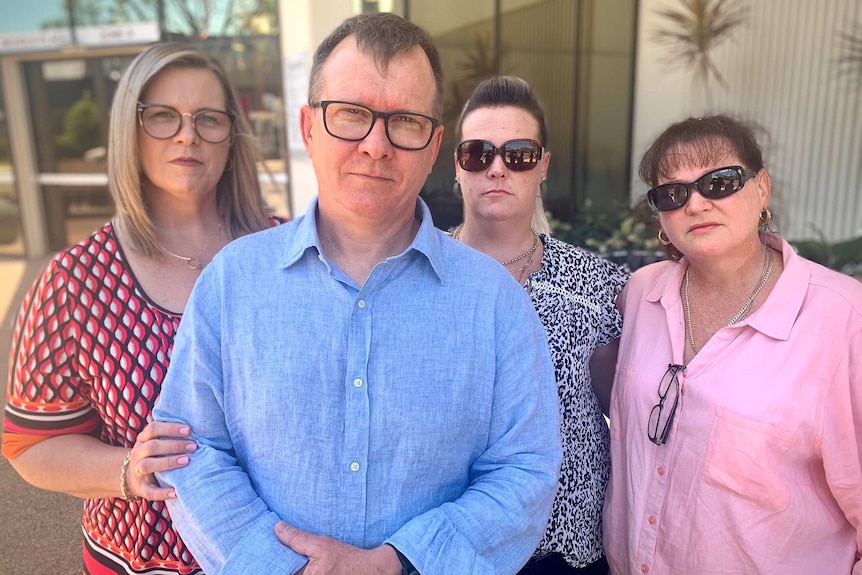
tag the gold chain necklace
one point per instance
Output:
(529, 255)
(456, 234)
(767, 264)
(194, 262)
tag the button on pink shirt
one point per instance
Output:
(761, 472)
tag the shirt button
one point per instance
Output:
(357, 382)
(644, 568)
(361, 304)
(652, 520)
(661, 470)
(354, 466)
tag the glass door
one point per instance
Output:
(70, 100)
(11, 238)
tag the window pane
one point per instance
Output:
(11, 238)
(100, 12)
(200, 19)
(74, 212)
(69, 102)
(577, 56)
(467, 52)
(33, 15)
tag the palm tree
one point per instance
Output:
(850, 61)
(693, 31)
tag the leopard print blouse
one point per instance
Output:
(574, 293)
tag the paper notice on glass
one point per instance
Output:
(296, 91)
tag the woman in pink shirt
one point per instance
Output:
(736, 412)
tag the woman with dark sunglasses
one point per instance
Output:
(736, 412)
(500, 164)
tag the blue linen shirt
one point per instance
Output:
(418, 410)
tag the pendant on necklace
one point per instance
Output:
(195, 264)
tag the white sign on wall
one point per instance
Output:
(296, 92)
(57, 38)
(51, 39)
(117, 34)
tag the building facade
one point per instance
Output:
(608, 83)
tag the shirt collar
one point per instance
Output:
(427, 242)
(778, 313)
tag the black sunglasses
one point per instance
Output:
(656, 431)
(518, 155)
(712, 185)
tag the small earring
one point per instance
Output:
(765, 217)
(662, 237)
(456, 189)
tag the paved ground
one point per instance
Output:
(39, 530)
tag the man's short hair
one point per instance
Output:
(383, 35)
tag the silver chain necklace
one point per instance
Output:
(767, 271)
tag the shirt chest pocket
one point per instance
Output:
(744, 457)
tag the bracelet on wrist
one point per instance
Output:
(124, 489)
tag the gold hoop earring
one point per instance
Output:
(662, 237)
(765, 217)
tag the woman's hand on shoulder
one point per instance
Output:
(161, 446)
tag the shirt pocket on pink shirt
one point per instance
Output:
(744, 457)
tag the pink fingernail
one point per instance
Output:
(191, 446)
(182, 460)
(172, 495)
(185, 430)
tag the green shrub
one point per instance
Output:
(82, 128)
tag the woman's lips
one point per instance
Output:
(702, 227)
(186, 161)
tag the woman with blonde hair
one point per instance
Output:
(94, 335)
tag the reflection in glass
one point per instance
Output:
(200, 19)
(70, 101)
(578, 57)
(73, 212)
(33, 15)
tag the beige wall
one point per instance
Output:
(781, 73)
(304, 24)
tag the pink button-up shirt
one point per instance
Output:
(761, 472)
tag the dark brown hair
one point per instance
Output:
(698, 141)
(517, 93)
(704, 140)
(383, 35)
(505, 91)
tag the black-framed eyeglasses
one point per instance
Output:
(353, 122)
(660, 419)
(713, 185)
(519, 155)
(164, 122)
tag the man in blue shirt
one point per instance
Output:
(367, 394)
